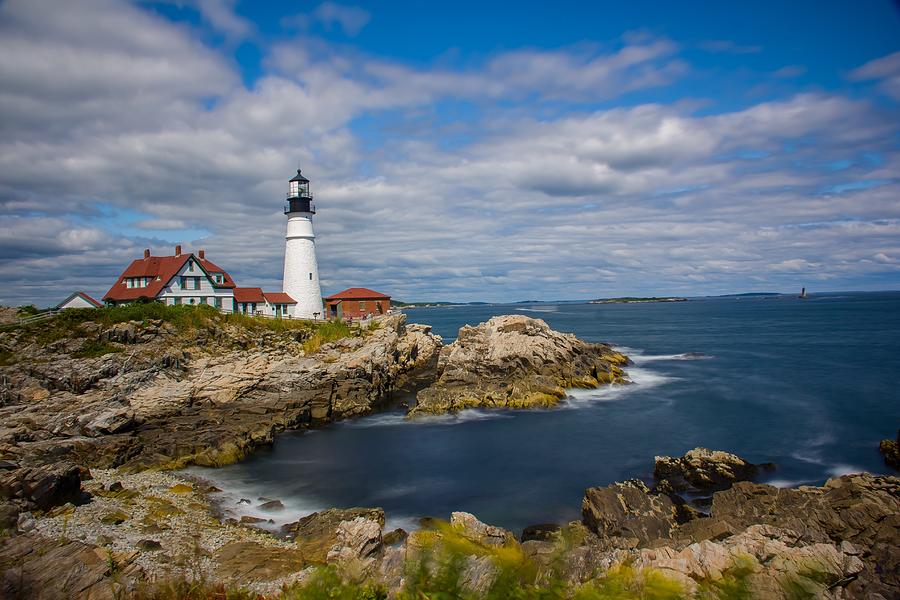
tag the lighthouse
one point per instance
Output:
(301, 273)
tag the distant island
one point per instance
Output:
(634, 300)
(399, 304)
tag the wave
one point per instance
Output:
(239, 498)
(841, 469)
(641, 379)
(541, 309)
(637, 355)
(399, 419)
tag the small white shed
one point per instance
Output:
(79, 300)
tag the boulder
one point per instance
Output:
(42, 487)
(316, 534)
(702, 469)
(515, 361)
(247, 562)
(358, 539)
(890, 450)
(627, 514)
(481, 533)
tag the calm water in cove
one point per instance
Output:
(811, 385)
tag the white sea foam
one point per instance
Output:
(399, 419)
(785, 483)
(641, 379)
(842, 469)
(540, 309)
(234, 492)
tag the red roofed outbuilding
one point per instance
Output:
(357, 303)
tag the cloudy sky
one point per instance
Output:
(468, 151)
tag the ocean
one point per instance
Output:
(810, 385)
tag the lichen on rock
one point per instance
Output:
(514, 361)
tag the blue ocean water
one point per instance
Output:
(811, 385)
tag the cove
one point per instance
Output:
(807, 384)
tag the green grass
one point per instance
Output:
(183, 317)
(94, 348)
(324, 333)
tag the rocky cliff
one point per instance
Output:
(158, 396)
(515, 361)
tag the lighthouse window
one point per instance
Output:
(310, 276)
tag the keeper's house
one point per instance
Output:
(357, 303)
(188, 279)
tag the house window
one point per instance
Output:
(218, 302)
(362, 306)
(196, 283)
(191, 266)
(191, 300)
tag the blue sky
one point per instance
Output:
(458, 151)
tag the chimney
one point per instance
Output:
(178, 250)
(146, 253)
(202, 254)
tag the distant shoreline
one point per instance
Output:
(629, 300)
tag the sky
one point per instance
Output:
(461, 151)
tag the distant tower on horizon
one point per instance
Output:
(301, 272)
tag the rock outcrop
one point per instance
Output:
(161, 397)
(515, 361)
(328, 531)
(703, 470)
(627, 515)
(890, 450)
(850, 524)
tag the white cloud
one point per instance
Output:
(499, 204)
(886, 70)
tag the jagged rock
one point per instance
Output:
(109, 421)
(272, 505)
(356, 540)
(248, 561)
(42, 487)
(172, 400)
(316, 534)
(862, 510)
(471, 528)
(627, 514)
(41, 569)
(776, 564)
(9, 516)
(540, 532)
(515, 361)
(890, 450)
(702, 469)
(394, 537)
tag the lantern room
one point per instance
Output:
(299, 198)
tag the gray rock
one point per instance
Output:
(702, 469)
(473, 529)
(627, 515)
(515, 361)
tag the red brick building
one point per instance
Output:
(357, 303)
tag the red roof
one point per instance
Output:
(279, 298)
(211, 268)
(249, 294)
(160, 270)
(355, 293)
(83, 295)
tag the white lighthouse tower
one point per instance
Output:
(301, 273)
